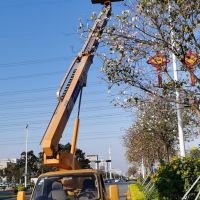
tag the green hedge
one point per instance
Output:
(19, 188)
(172, 180)
(136, 194)
(2, 187)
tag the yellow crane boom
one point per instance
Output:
(71, 86)
(71, 182)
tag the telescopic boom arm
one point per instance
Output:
(71, 86)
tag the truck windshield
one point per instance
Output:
(66, 187)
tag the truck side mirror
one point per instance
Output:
(21, 195)
(113, 192)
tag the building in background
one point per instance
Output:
(4, 162)
(94, 161)
(103, 165)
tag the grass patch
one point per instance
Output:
(7, 196)
(136, 193)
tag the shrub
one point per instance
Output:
(139, 180)
(19, 188)
(3, 187)
(175, 178)
(15, 190)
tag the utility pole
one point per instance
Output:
(107, 171)
(143, 169)
(97, 161)
(110, 162)
(26, 162)
(178, 107)
(179, 114)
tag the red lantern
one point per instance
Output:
(190, 60)
(158, 61)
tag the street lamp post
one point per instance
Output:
(143, 169)
(110, 158)
(107, 161)
(26, 162)
(179, 115)
(97, 164)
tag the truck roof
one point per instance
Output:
(77, 171)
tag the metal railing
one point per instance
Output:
(186, 194)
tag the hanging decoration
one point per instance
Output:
(158, 61)
(190, 60)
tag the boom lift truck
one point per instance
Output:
(70, 182)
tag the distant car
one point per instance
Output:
(109, 181)
(120, 180)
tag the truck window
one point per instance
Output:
(67, 187)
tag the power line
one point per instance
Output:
(42, 90)
(40, 101)
(68, 127)
(37, 90)
(46, 105)
(31, 76)
(20, 120)
(82, 133)
(6, 119)
(34, 35)
(37, 108)
(83, 112)
(43, 123)
(46, 121)
(88, 138)
(33, 62)
(35, 4)
(32, 101)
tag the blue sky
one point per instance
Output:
(38, 40)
